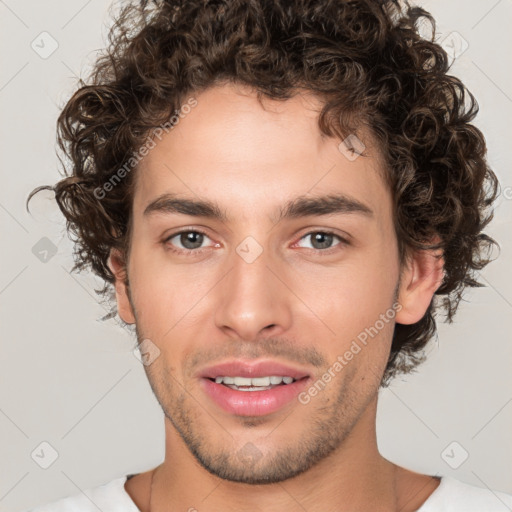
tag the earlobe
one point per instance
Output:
(118, 268)
(420, 279)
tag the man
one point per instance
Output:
(278, 193)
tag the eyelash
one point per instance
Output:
(193, 252)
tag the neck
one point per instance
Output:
(354, 477)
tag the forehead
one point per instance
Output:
(252, 157)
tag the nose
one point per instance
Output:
(252, 300)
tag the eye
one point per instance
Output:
(186, 241)
(322, 240)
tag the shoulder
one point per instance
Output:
(455, 496)
(110, 496)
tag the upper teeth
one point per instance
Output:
(255, 381)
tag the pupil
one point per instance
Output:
(188, 238)
(318, 238)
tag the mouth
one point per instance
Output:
(252, 389)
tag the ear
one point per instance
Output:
(421, 277)
(117, 265)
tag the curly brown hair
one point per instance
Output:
(368, 63)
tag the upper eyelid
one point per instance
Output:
(195, 230)
(324, 231)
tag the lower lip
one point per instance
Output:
(253, 403)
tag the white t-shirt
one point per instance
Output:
(451, 495)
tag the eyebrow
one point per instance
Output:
(302, 206)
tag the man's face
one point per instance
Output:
(253, 289)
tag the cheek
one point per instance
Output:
(349, 295)
(354, 302)
(166, 294)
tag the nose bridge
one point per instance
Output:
(252, 298)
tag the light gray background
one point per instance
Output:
(72, 381)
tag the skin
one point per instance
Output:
(296, 303)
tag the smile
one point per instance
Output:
(255, 383)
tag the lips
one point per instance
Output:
(246, 401)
